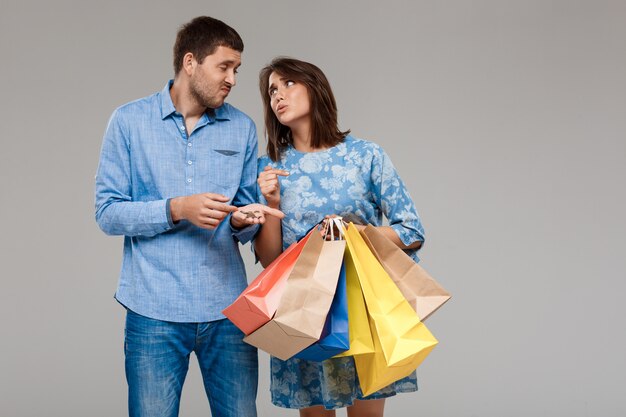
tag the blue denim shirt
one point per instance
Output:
(175, 272)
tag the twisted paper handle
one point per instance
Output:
(329, 228)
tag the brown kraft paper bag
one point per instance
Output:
(306, 300)
(422, 292)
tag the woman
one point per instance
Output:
(323, 171)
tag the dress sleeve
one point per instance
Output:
(392, 196)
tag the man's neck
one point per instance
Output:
(183, 101)
(185, 104)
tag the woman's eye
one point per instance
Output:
(289, 83)
(272, 91)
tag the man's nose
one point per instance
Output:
(231, 78)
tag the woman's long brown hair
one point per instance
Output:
(324, 128)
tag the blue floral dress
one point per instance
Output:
(355, 177)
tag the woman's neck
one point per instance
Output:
(301, 137)
(302, 145)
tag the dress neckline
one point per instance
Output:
(321, 151)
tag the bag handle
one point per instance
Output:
(329, 228)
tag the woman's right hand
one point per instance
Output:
(270, 186)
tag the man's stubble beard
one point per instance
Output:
(202, 97)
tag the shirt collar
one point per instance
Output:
(222, 112)
(167, 107)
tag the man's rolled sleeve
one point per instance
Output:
(116, 212)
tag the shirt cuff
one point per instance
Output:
(245, 234)
(168, 212)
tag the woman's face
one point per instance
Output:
(289, 100)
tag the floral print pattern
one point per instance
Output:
(355, 177)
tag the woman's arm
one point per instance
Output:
(268, 243)
(393, 236)
(405, 227)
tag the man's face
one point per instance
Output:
(212, 80)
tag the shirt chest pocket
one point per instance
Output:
(222, 167)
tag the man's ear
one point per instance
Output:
(189, 63)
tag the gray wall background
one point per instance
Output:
(507, 120)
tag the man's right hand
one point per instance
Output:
(205, 210)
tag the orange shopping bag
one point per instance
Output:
(305, 302)
(257, 304)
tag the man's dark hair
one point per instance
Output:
(202, 36)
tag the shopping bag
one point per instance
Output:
(334, 338)
(257, 304)
(401, 341)
(305, 302)
(358, 323)
(422, 292)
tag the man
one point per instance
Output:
(177, 178)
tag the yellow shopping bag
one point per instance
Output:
(358, 324)
(401, 341)
(422, 292)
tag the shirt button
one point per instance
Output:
(188, 179)
(189, 144)
(189, 162)
(182, 128)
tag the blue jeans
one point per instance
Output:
(157, 359)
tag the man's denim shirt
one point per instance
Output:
(175, 272)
